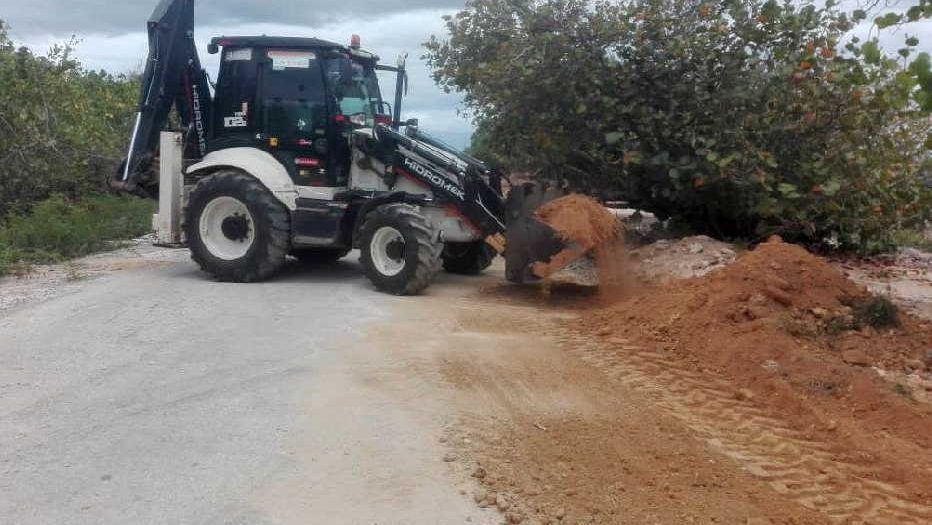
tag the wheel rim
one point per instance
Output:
(227, 228)
(387, 250)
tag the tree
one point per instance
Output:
(62, 128)
(739, 118)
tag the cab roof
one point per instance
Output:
(276, 41)
(288, 42)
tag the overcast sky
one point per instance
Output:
(112, 34)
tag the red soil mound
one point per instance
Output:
(781, 324)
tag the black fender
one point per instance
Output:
(370, 204)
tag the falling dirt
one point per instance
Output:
(591, 232)
(765, 365)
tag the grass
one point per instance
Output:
(57, 229)
(913, 238)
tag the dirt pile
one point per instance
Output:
(790, 331)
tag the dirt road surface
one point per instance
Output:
(146, 393)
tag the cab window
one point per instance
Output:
(293, 94)
(361, 94)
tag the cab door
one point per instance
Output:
(296, 114)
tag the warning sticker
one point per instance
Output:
(238, 120)
(234, 55)
(291, 59)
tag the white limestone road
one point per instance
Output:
(148, 393)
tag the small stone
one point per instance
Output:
(744, 395)
(514, 518)
(855, 358)
(449, 457)
(771, 365)
(832, 425)
(480, 496)
(928, 359)
(604, 331)
(696, 248)
(914, 365)
(820, 313)
(479, 473)
(560, 513)
(502, 503)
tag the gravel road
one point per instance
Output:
(146, 393)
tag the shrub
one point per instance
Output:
(736, 118)
(878, 312)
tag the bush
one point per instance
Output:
(878, 312)
(57, 229)
(62, 129)
(739, 119)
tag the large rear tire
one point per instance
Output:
(237, 230)
(467, 258)
(400, 249)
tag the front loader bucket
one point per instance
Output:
(527, 240)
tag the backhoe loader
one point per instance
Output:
(295, 152)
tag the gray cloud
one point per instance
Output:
(112, 17)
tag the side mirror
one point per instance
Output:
(413, 122)
(213, 48)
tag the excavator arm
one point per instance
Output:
(173, 78)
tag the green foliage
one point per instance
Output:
(878, 312)
(57, 229)
(62, 129)
(739, 119)
(481, 145)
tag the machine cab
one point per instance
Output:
(298, 99)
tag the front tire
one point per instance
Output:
(400, 249)
(237, 230)
(467, 258)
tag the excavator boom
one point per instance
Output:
(173, 78)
